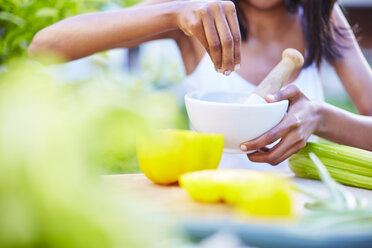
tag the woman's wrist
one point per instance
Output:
(343, 127)
(165, 14)
(321, 112)
(172, 12)
(329, 118)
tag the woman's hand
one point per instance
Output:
(296, 127)
(215, 25)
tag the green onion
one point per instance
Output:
(347, 165)
(339, 211)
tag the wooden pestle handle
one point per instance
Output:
(291, 59)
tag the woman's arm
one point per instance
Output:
(304, 118)
(345, 128)
(83, 35)
(353, 69)
(213, 23)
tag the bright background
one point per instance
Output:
(153, 67)
(62, 127)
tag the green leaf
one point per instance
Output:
(46, 12)
(6, 16)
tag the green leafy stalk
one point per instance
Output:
(339, 212)
(340, 199)
(347, 165)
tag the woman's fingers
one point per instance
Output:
(197, 30)
(267, 138)
(213, 40)
(221, 28)
(232, 20)
(290, 92)
(283, 150)
(215, 24)
(227, 41)
(294, 149)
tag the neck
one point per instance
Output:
(264, 24)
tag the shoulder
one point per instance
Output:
(342, 32)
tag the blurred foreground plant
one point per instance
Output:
(55, 139)
(104, 116)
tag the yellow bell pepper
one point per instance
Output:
(253, 192)
(268, 195)
(165, 155)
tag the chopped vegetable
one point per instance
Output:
(213, 186)
(165, 155)
(255, 193)
(347, 165)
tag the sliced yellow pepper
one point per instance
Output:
(254, 192)
(165, 155)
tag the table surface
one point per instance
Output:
(176, 200)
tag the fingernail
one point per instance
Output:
(227, 73)
(219, 70)
(243, 148)
(237, 67)
(271, 97)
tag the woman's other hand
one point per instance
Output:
(215, 24)
(301, 120)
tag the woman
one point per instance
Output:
(218, 38)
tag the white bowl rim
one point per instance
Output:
(189, 97)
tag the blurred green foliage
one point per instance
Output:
(115, 112)
(55, 141)
(21, 19)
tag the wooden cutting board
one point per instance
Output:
(175, 200)
(170, 198)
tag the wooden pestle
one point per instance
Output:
(291, 59)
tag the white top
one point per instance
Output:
(205, 78)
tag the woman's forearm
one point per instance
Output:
(345, 128)
(86, 34)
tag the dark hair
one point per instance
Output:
(318, 29)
